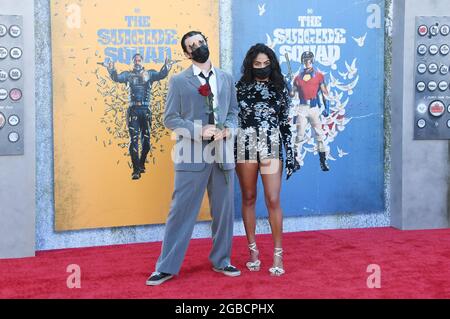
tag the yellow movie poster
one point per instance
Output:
(111, 64)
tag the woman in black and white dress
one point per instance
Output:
(264, 129)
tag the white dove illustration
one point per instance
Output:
(343, 75)
(341, 153)
(344, 121)
(333, 81)
(360, 40)
(333, 96)
(309, 149)
(262, 9)
(331, 135)
(328, 61)
(351, 69)
(331, 158)
(300, 158)
(341, 106)
(348, 87)
(271, 44)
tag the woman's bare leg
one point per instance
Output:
(248, 176)
(272, 187)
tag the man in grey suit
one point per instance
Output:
(203, 159)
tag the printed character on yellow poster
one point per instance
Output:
(91, 111)
(139, 116)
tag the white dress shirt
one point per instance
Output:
(212, 84)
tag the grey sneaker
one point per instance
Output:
(229, 270)
(157, 278)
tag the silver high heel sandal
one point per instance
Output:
(253, 265)
(277, 271)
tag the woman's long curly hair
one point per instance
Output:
(246, 69)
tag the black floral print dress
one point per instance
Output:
(264, 124)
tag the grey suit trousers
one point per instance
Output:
(187, 197)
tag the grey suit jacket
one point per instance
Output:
(186, 114)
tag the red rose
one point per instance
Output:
(204, 90)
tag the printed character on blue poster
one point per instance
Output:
(312, 93)
(139, 117)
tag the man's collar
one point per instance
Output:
(196, 70)
(308, 71)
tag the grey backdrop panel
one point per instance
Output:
(419, 178)
(17, 167)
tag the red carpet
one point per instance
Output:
(319, 264)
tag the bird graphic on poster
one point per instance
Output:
(351, 69)
(334, 97)
(343, 121)
(271, 44)
(341, 153)
(340, 107)
(333, 81)
(343, 75)
(348, 87)
(300, 157)
(331, 133)
(262, 9)
(360, 41)
(329, 61)
(330, 157)
(309, 149)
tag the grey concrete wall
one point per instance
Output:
(47, 238)
(397, 116)
(419, 168)
(18, 173)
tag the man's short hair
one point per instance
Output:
(307, 55)
(188, 35)
(136, 55)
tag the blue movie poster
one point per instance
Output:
(346, 38)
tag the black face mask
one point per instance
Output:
(262, 73)
(201, 54)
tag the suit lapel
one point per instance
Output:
(192, 79)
